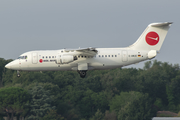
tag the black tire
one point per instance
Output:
(82, 73)
(82, 76)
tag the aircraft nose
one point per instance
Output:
(8, 66)
(14, 65)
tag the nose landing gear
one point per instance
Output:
(82, 73)
(18, 74)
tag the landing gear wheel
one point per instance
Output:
(18, 74)
(82, 73)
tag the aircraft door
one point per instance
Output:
(124, 56)
(34, 58)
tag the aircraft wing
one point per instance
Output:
(82, 51)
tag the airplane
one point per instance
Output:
(83, 59)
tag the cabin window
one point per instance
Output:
(109, 55)
(99, 55)
(52, 56)
(43, 57)
(102, 55)
(112, 55)
(105, 55)
(49, 56)
(115, 55)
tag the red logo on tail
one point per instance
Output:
(152, 38)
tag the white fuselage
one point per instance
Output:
(82, 60)
(106, 58)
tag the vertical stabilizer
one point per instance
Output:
(153, 37)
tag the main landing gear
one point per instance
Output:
(18, 74)
(82, 73)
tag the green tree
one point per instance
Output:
(14, 101)
(92, 101)
(147, 65)
(3, 62)
(132, 106)
(173, 95)
(52, 115)
(110, 115)
(156, 79)
(98, 116)
(40, 103)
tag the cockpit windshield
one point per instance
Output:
(22, 57)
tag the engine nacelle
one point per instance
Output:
(65, 59)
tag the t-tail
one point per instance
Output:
(152, 38)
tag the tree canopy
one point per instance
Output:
(122, 93)
(14, 100)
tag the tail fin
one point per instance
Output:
(153, 37)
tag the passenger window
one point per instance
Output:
(49, 56)
(112, 55)
(46, 57)
(115, 55)
(105, 55)
(43, 57)
(99, 55)
(102, 55)
(52, 56)
(82, 56)
(25, 57)
(109, 56)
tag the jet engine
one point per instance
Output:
(65, 59)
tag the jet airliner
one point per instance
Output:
(83, 59)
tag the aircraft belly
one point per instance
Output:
(105, 64)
